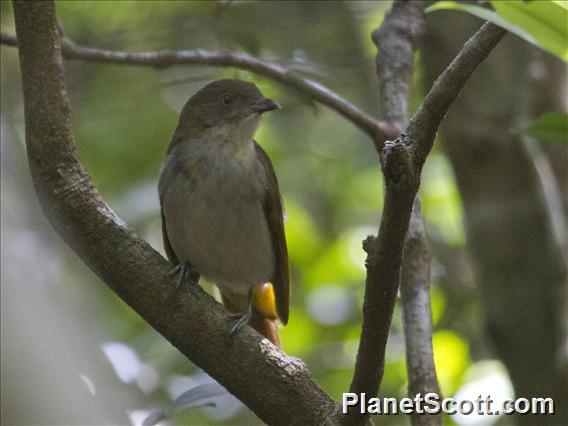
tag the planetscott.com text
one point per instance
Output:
(431, 403)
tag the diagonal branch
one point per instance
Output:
(281, 390)
(425, 122)
(402, 162)
(378, 130)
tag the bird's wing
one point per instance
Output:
(167, 246)
(166, 177)
(272, 205)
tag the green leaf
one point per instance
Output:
(546, 21)
(542, 23)
(482, 13)
(549, 127)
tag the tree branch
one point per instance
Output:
(396, 40)
(281, 390)
(425, 122)
(378, 130)
(417, 315)
(402, 162)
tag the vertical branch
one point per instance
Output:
(401, 162)
(395, 40)
(394, 71)
(417, 316)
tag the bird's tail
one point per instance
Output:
(266, 326)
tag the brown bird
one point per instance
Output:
(221, 206)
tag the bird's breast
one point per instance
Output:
(215, 219)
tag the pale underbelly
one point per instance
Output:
(225, 237)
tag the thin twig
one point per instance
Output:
(378, 130)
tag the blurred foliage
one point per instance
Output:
(542, 23)
(328, 171)
(546, 21)
(550, 127)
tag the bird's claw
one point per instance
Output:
(175, 270)
(184, 272)
(241, 320)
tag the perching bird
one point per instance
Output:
(221, 206)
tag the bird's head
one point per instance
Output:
(224, 107)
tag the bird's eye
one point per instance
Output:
(225, 99)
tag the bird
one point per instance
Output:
(221, 209)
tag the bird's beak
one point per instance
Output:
(265, 105)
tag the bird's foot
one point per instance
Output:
(184, 273)
(241, 320)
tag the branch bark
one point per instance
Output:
(378, 130)
(402, 162)
(417, 315)
(448, 85)
(281, 390)
(396, 41)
